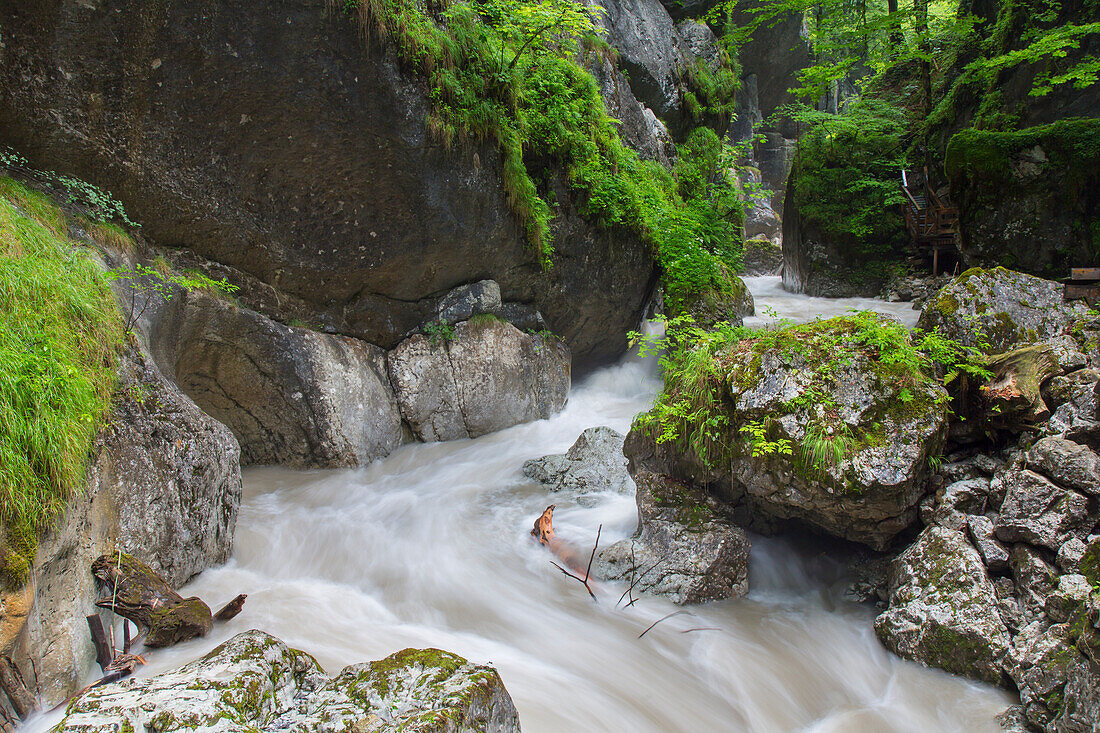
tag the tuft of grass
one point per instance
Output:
(60, 333)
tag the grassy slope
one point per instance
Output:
(60, 331)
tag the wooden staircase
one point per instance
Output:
(931, 221)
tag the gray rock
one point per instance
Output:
(1070, 555)
(292, 396)
(490, 376)
(1070, 596)
(957, 501)
(1078, 413)
(1008, 605)
(163, 484)
(994, 554)
(1011, 308)
(254, 682)
(595, 463)
(1070, 464)
(684, 548)
(1013, 720)
(638, 126)
(943, 608)
(468, 300)
(1042, 513)
(523, 316)
(647, 42)
(1035, 579)
(1067, 353)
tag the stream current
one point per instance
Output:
(429, 547)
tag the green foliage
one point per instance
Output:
(845, 178)
(507, 70)
(1072, 145)
(700, 368)
(60, 332)
(439, 333)
(97, 204)
(146, 284)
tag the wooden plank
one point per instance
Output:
(1085, 273)
(1075, 291)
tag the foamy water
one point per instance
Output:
(430, 547)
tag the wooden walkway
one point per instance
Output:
(931, 221)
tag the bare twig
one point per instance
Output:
(701, 628)
(588, 571)
(663, 618)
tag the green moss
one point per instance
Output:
(1071, 145)
(947, 303)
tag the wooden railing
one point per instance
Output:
(932, 222)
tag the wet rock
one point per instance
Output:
(684, 547)
(1013, 720)
(1069, 597)
(1010, 308)
(994, 554)
(1008, 605)
(1089, 565)
(762, 257)
(468, 300)
(291, 396)
(943, 608)
(487, 377)
(595, 463)
(1078, 414)
(1070, 464)
(254, 682)
(1070, 555)
(185, 620)
(872, 493)
(1038, 511)
(1067, 353)
(1035, 578)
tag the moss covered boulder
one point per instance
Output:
(730, 303)
(827, 428)
(685, 548)
(999, 309)
(254, 682)
(943, 608)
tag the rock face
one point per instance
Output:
(1010, 308)
(254, 682)
(940, 608)
(441, 387)
(684, 547)
(292, 396)
(1027, 199)
(164, 485)
(240, 136)
(594, 463)
(763, 257)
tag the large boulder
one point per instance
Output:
(1007, 308)
(857, 446)
(593, 464)
(282, 148)
(1040, 512)
(292, 396)
(1058, 686)
(684, 548)
(943, 608)
(164, 485)
(254, 683)
(484, 376)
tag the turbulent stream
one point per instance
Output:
(430, 547)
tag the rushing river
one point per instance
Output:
(430, 547)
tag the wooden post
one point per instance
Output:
(935, 260)
(103, 652)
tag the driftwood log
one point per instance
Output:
(11, 681)
(136, 592)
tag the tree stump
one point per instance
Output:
(1012, 398)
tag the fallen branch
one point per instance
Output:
(11, 681)
(231, 609)
(588, 570)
